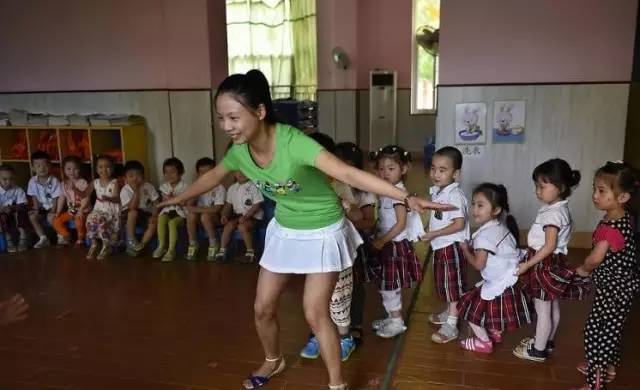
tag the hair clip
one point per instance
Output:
(406, 153)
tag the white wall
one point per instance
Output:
(188, 118)
(583, 124)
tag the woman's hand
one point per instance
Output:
(421, 205)
(13, 310)
(168, 202)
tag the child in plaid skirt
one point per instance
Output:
(496, 303)
(447, 230)
(394, 264)
(545, 274)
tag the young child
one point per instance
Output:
(14, 218)
(242, 210)
(614, 269)
(75, 190)
(394, 263)
(497, 303)
(447, 230)
(138, 199)
(340, 306)
(171, 217)
(545, 274)
(363, 218)
(103, 223)
(44, 190)
(207, 212)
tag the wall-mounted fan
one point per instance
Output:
(428, 39)
(340, 58)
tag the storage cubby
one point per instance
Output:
(123, 143)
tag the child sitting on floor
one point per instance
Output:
(14, 218)
(171, 217)
(44, 190)
(138, 199)
(75, 190)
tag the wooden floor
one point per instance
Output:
(426, 365)
(138, 324)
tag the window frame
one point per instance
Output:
(414, 71)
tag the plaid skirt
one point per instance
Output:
(553, 278)
(450, 272)
(508, 311)
(395, 266)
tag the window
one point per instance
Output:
(279, 38)
(424, 64)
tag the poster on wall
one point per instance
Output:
(470, 123)
(508, 121)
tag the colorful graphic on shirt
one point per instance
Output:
(291, 186)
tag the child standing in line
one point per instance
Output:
(76, 196)
(363, 218)
(206, 211)
(171, 217)
(242, 210)
(614, 269)
(447, 230)
(545, 273)
(138, 199)
(395, 265)
(497, 303)
(103, 223)
(14, 218)
(44, 190)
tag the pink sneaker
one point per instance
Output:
(474, 344)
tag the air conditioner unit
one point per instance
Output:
(382, 108)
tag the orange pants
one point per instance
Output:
(59, 224)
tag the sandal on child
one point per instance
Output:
(446, 333)
(343, 386)
(609, 376)
(495, 336)
(474, 344)
(257, 381)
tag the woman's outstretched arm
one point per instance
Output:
(204, 183)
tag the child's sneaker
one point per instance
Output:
(393, 328)
(446, 333)
(62, 240)
(379, 324)
(530, 353)
(211, 252)
(249, 257)
(105, 251)
(529, 341)
(312, 349)
(11, 246)
(158, 252)
(192, 251)
(134, 247)
(23, 245)
(169, 256)
(439, 319)
(347, 346)
(43, 242)
(221, 255)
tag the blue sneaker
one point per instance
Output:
(347, 346)
(311, 350)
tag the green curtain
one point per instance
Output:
(279, 38)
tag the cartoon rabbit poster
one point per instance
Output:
(470, 123)
(508, 121)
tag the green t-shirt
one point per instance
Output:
(304, 199)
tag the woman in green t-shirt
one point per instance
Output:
(309, 234)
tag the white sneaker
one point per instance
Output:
(393, 328)
(158, 252)
(43, 242)
(379, 324)
(439, 318)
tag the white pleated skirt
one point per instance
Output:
(294, 251)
